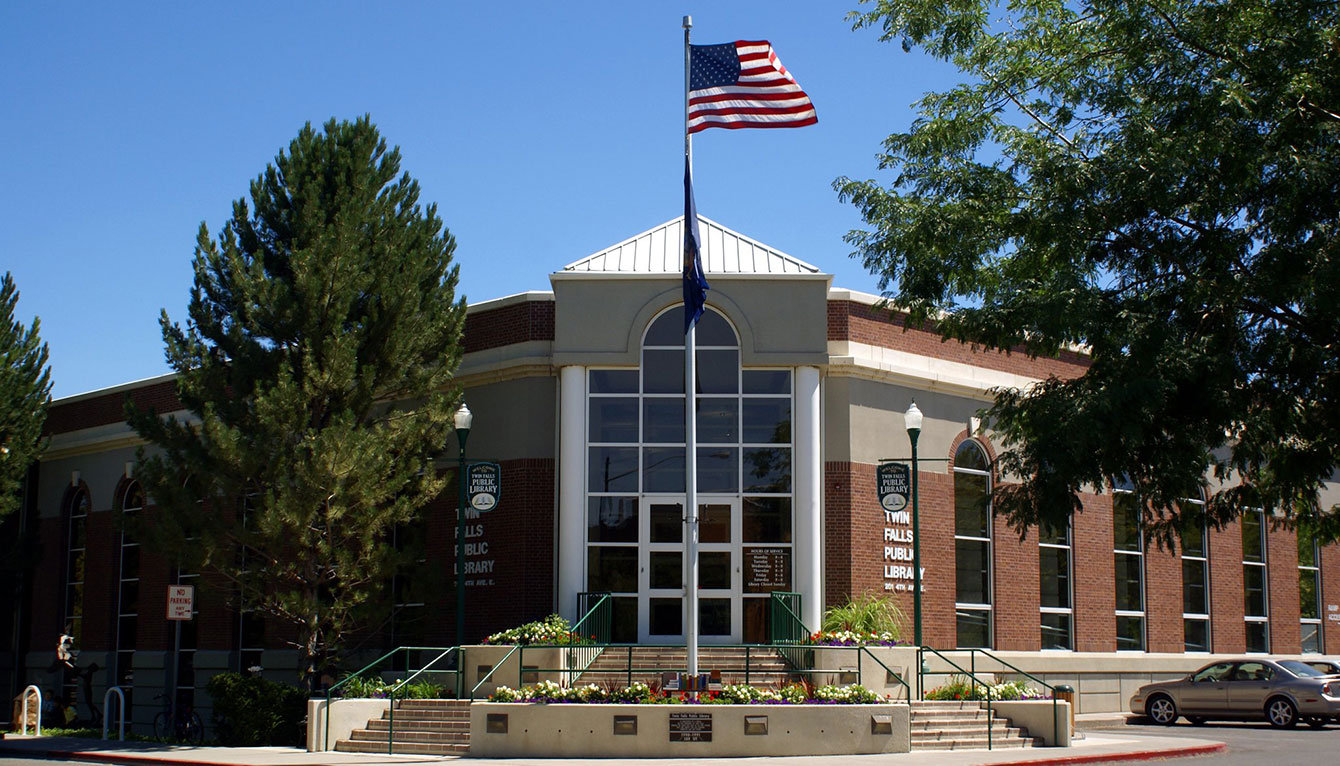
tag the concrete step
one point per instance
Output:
(402, 748)
(410, 735)
(384, 724)
(428, 714)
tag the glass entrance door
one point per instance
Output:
(663, 571)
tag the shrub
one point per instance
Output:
(640, 693)
(962, 688)
(872, 613)
(250, 711)
(551, 631)
(374, 687)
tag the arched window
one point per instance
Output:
(972, 545)
(128, 590)
(636, 445)
(76, 550)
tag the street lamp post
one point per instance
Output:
(462, 419)
(912, 419)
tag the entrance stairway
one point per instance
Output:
(766, 666)
(962, 726)
(422, 727)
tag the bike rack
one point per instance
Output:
(24, 727)
(120, 709)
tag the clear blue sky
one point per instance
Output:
(544, 131)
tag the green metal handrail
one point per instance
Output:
(990, 713)
(444, 652)
(972, 659)
(784, 625)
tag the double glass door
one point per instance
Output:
(663, 570)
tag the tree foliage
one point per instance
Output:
(317, 365)
(25, 392)
(1157, 182)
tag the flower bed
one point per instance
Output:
(960, 688)
(857, 638)
(641, 694)
(551, 631)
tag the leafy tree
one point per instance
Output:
(25, 392)
(1155, 181)
(318, 364)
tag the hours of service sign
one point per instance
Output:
(894, 485)
(483, 485)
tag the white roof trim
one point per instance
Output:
(661, 251)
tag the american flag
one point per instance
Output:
(743, 85)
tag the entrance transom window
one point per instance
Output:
(635, 486)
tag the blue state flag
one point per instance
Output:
(695, 282)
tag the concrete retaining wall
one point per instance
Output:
(344, 715)
(507, 730)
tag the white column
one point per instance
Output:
(571, 488)
(808, 480)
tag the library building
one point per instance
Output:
(803, 391)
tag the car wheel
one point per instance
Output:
(1162, 709)
(1196, 720)
(1281, 713)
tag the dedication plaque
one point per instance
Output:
(690, 727)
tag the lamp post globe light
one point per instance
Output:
(462, 420)
(912, 419)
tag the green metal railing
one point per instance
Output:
(443, 655)
(971, 672)
(597, 621)
(787, 631)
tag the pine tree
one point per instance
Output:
(25, 392)
(318, 366)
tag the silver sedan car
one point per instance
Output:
(1280, 691)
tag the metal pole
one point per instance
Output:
(460, 545)
(690, 424)
(912, 434)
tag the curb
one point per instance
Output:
(127, 758)
(1136, 755)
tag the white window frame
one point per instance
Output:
(126, 654)
(1315, 569)
(964, 606)
(1069, 548)
(1261, 619)
(1139, 553)
(1205, 561)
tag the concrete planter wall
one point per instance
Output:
(344, 716)
(1048, 722)
(523, 667)
(864, 667)
(507, 730)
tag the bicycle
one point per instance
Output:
(181, 726)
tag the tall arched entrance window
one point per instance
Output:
(635, 486)
(972, 545)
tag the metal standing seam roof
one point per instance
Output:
(661, 251)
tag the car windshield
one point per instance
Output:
(1300, 669)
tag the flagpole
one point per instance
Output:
(690, 424)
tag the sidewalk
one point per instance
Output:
(1094, 748)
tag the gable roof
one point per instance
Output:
(661, 251)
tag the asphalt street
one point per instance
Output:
(1249, 744)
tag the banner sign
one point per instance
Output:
(483, 485)
(894, 486)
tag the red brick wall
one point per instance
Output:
(1164, 630)
(1228, 634)
(520, 535)
(1095, 596)
(1330, 594)
(110, 408)
(517, 323)
(1282, 589)
(1017, 600)
(861, 323)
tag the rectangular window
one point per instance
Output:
(1128, 558)
(1309, 590)
(1255, 595)
(1195, 580)
(1055, 589)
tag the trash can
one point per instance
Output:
(1067, 694)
